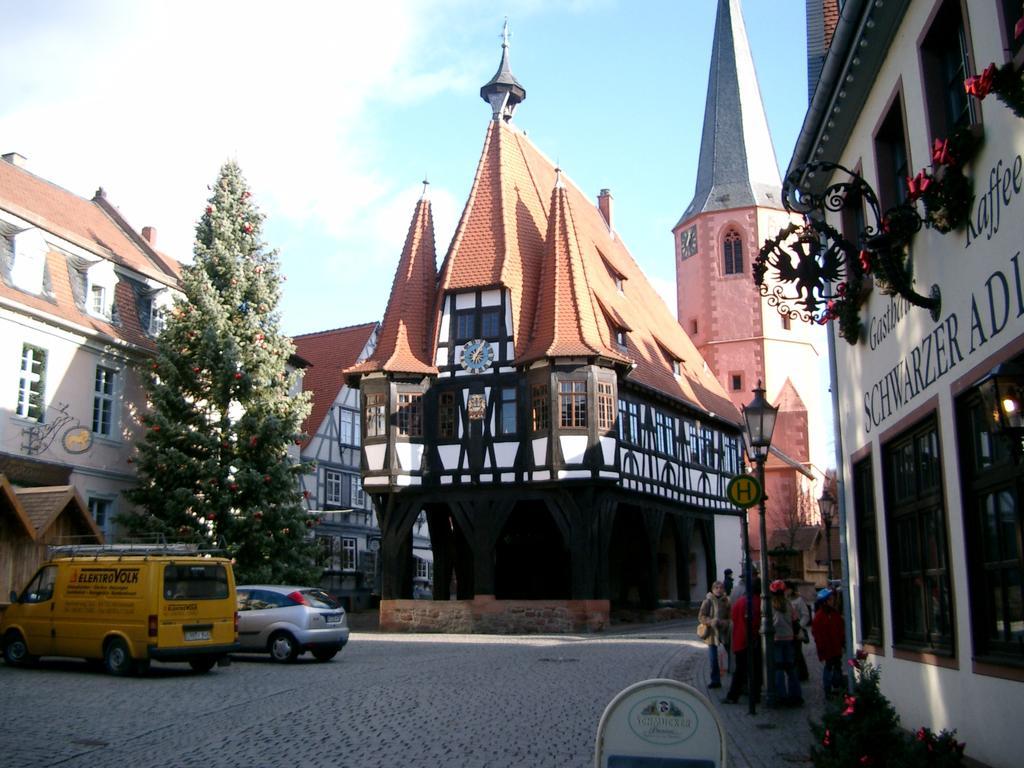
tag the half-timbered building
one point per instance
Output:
(540, 403)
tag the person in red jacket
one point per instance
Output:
(740, 646)
(829, 638)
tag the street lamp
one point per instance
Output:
(827, 505)
(759, 418)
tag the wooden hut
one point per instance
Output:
(32, 519)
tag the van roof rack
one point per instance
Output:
(125, 549)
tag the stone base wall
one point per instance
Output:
(485, 615)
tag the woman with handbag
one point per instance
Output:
(713, 627)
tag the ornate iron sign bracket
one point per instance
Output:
(814, 273)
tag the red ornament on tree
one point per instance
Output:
(248, 229)
(253, 441)
(233, 486)
(238, 375)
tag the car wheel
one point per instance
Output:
(325, 654)
(117, 659)
(283, 647)
(202, 664)
(16, 650)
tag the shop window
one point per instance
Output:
(410, 415)
(446, 415)
(892, 157)
(867, 553)
(919, 578)
(945, 64)
(376, 415)
(572, 404)
(993, 488)
(732, 253)
(540, 407)
(1012, 13)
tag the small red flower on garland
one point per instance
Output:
(827, 741)
(1005, 82)
(850, 702)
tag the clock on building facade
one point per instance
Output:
(477, 355)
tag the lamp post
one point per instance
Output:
(827, 505)
(759, 418)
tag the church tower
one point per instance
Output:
(737, 204)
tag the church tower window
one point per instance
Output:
(732, 252)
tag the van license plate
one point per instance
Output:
(203, 634)
(332, 618)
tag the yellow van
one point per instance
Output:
(125, 606)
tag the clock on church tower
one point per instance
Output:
(688, 242)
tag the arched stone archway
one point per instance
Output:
(531, 557)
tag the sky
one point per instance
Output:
(337, 111)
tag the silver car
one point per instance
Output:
(287, 621)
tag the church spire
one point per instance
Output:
(503, 92)
(737, 166)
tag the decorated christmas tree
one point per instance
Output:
(863, 729)
(213, 465)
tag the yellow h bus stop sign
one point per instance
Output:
(744, 491)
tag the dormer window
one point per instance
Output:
(98, 300)
(153, 307)
(614, 274)
(99, 283)
(28, 260)
(620, 339)
(677, 367)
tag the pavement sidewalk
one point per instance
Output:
(773, 736)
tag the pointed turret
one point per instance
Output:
(566, 321)
(503, 92)
(405, 341)
(737, 166)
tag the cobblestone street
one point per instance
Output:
(386, 700)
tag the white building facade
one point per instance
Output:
(932, 493)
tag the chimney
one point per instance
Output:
(15, 159)
(149, 235)
(604, 204)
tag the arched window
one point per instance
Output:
(732, 249)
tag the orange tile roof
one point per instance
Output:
(329, 353)
(789, 399)
(501, 239)
(565, 320)
(92, 224)
(405, 343)
(95, 226)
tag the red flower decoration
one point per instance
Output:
(941, 154)
(865, 262)
(196, 369)
(212, 516)
(921, 734)
(918, 185)
(850, 702)
(827, 741)
(258, 515)
(155, 427)
(981, 86)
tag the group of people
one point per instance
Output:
(724, 631)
